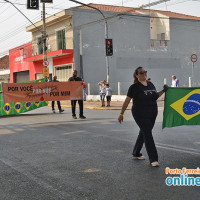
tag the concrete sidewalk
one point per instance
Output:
(96, 105)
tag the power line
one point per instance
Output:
(23, 15)
(35, 40)
(13, 32)
(22, 4)
(21, 28)
(140, 16)
(10, 16)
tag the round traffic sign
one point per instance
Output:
(46, 63)
(194, 58)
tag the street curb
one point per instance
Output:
(101, 108)
(93, 108)
(96, 108)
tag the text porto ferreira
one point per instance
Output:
(182, 177)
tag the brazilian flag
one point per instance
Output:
(19, 107)
(182, 107)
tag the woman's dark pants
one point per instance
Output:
(145, 120)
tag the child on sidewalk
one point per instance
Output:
(108, 94)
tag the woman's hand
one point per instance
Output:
(125, 105)
(120, 118)
(165, 86)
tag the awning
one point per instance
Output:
(52, 54)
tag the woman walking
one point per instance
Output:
(144, 111)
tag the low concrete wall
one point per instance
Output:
(114, 98)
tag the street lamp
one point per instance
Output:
(106, 31)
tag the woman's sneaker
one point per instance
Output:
(139, 157)
(155, 164)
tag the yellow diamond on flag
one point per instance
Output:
(18, 106)
(37, 103)
(188, 106)
(7, 108)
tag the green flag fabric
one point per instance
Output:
(19, 107)
(182, 107)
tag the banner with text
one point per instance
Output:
(16, 108)
(46, 91)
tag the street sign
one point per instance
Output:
(45, 72)
(46, 63)
(194, 58)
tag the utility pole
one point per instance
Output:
(106, 32)
(44, 33)
(44, 37)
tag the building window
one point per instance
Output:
(40, 45)
(159, 43)
(64, 72)
(61, 40)
(38, 76)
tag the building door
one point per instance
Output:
(63, 72)
(21, 77)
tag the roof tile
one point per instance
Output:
(110, 8)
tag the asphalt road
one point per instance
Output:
(48, 156)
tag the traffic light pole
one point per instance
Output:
(106, 31)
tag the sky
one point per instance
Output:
(13, 24)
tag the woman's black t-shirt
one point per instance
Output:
(144, 97)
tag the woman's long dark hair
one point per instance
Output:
(136, 73)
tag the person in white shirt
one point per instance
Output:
(102, 87)
(108, 94)
(175, 81)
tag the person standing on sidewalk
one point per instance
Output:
(175, 82)
(108, 94)
(102, 87)
(73, 102)
(58, 102)
(144, 111)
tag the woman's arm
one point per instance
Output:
(163, 91)
(124, 107)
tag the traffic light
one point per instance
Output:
(109, 47)
(33, 4)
